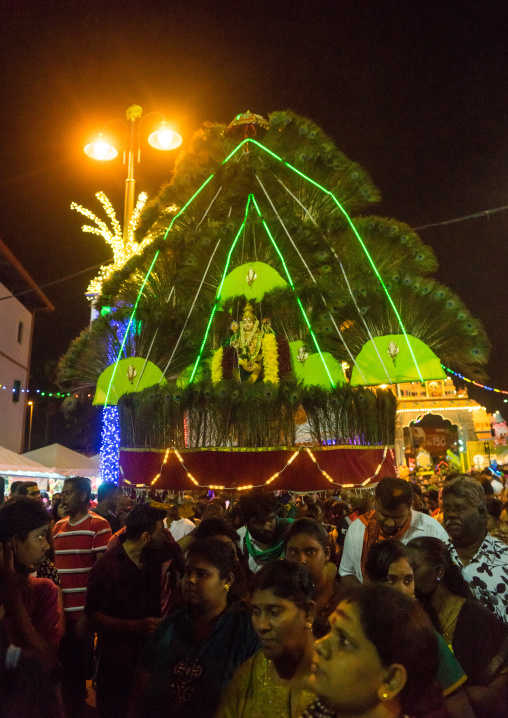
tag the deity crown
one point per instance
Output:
(248, 313)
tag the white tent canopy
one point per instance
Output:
(64, 461)
(96, 462)
(18, 466)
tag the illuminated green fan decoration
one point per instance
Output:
(309, 370)
(252, 281)
(390, 355)
(130, 375)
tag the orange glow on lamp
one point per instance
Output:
(100, 149)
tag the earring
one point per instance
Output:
(437, 578)
(308, 624)
(226, 586)
(384, 696)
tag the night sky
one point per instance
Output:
(416, 92)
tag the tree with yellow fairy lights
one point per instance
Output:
(122, 250)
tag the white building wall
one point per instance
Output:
(14, 359)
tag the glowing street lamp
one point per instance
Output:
(164, 139)
(100, 149)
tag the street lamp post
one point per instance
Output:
(100, 149)
(133, 114)
(31, 405)
(162, 139)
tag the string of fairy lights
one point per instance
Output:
(268, 481)
(39, 393)
(476, 383)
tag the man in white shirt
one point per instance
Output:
(392, 517)
(175, 522)
(496, 485)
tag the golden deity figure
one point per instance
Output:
(253, 353)
(248, 340)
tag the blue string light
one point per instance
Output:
(476, 383)
(110, 444)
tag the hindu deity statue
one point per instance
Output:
(253, 353)
(247, 340)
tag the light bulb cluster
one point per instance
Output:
(113, 235)
(110, 444)
(440, 408)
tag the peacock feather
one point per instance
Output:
(256, 204)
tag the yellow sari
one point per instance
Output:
(253, 693)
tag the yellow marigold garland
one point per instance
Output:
(270, 359)
(217, 366)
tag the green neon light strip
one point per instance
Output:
(219, 290)
(124, 340)
(355, 231)
(187, 204)
(145, 281)
(309, 271)
(315, 340)
(290, 280)
(152, 265)
(293, 288)
(234, 151)
(316, 184)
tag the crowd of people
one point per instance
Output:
(378, 605)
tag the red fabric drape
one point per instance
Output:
(232, 468)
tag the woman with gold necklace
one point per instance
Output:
(273, 683)
(477, 637)
(378, 661)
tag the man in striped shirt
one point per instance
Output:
(79, 540)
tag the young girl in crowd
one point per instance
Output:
(273, 683)
(307, 543)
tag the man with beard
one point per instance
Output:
(263, 536)
(392, 518)
(127, 597)
(482, 558)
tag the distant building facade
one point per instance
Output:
(470, 433)
(16, 328)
